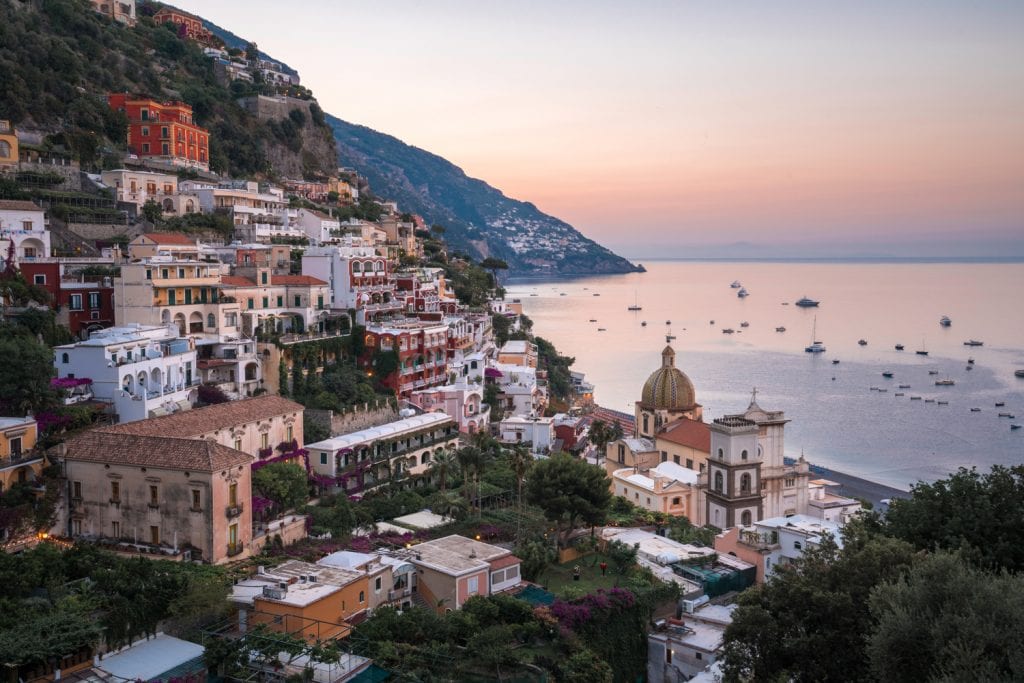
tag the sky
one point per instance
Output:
(693, 128)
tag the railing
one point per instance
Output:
(157, 393)
(17, 459)
(293, 338)
(235, 548)
(233, 511)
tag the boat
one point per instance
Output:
(562, 294)
(807, 302)
(933, 372)
(712, 322)
(969, 367)
(921, 352)
(904, 386)
(816, 346)
(915, 398)
(945, 321)
(669, 338)
(744, 324)
(874, 388)
(899, 347)
(668, 322)
(898, 393)
(735, 284)
(596, 294)
(835, 362)
(883, 391)
(636, 304)
(1009, 415)
(1000, 404)
(728, 330)
(780, 329)
(944, 382)
(929, 400)
(887, 374)
(601, 329)
(973, 342)
(643, 323)
(1018, 373)
(743, 293)
(943, 403)
(862, 342)
(970, 361)
(1015, 426)
(975, 410)
(593, 320)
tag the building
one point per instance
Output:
(391, 581)
(122, 11)
(825, 502)
(230, 362)
(369, 457)
(537, 432)
(455, 568)
(314, 191)
(139, 371)
(23, 224)
(518, 352)
(159, 657)
(668, 488)
(163, 131)
(734, 474)
(638, 454)
(679, 649)
(685, 442)
(461, 401)
(770, 543)
(8, 145)
(422, 349)
(163, 290)
(189, 25)
(258, 212)
(571, 432)
(318, 226)
(667, 396)
(20, 461)
(172, 244)
(81, 305)
(359, 279)
(311, 601)
(520, 391)
(255, 426)
(158, 495)
(138, 187)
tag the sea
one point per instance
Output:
(843, 416)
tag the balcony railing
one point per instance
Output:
(19, 459)
(233, 511)
(235, 548)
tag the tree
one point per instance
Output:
(622, 556)
(152, 211)
(569, 491)
(601, 434)
(252, 53)
(211, 394)
(979, 514)
(494, 265)
(24, 373)
(521, 460)
(443, 464)
(586, 667)
(536, 554)
(285, 483)
(449, 504)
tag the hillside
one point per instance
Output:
(58, 59)
(480, 218)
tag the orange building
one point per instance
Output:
(163, 131)
(189, 25)
(306, 600)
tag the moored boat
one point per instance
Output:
(887, 374)
(807, 302)
(973, 342)
(944, 382)
(945, 321)
(899, 347)
(743, 293)
(780, 328)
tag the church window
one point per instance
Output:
(676, 459)
(743, 455)
(745, 518)
(689, 463)
(745, 483)
(789, 482)
(718, 481)
(622, 453)
(646, 427)
(677, 501)
(721, 453)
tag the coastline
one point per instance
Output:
(857, 487)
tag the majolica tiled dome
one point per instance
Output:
(668, 388)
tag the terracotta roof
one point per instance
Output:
(687, 432)
(170, 238)
(153, 451)
(192, 423)
(607, 415)
(295, 280)
(236, 281)
(18, 205)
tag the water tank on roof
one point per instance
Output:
(406, 412)
(666, 559)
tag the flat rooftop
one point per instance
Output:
(391, 429)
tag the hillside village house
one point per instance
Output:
(189, 25)
(24, 224)
(161, 495)
(173, 244)
(81, 306)
(422, 353)
(667, 488)
(462, 401)
(138, 187)
(518, 352)
(369, 457)
(770, 543)
(391, 581)
(455, 568)
(8, 145)
(317, 225)
(122, 11)
(20, 462)
(538, 432)
(163, 131)
(359, 279)
(139, 371)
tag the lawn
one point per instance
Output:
(558, 577)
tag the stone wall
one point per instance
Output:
(67, 168)
(362, 417)
(291, 529)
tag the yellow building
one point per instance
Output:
(8, 145)
(19, 459)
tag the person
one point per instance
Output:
(576, 573)
(604, 568)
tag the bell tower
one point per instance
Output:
(734, 474)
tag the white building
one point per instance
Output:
(679, 649)
(358, 277)
(668, 488)
(824, 503)
(318, 226)
(539, 432)
(230, 362)
(141, 371)
(138, 187)
(24, 224)
(777, 541)
(461, 401)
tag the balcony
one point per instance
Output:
(157, 393)
(293, 338)
(235, 548)
(760, 540)
(233, 511)
(20, 459)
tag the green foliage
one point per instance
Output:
(980, 515)
(152, 211)
(569, 491)
(559, 379)
(586, 667)
(284, 483)
(622, 556)
(334, 514)
(24, 373)
(314, 430)
(536, 554)
(501, 326)
(194, 223)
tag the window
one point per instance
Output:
(250, 304)
(664, 457)
(745, 483)
(76, 489)
(677, 501)
(789, 482)
(264, 440)
(668, 655)
(39, 279)
(323, 458)
(154, 495)
(15, 445)
(689, 463)
(290, 432)
(165, 148)
(76, 527)
(154, 535)
(473, 585)
(64, 358)
(362, 597)
(115, 492)
(320, 301)
(172, 297)
(145, 148)
(165, 132)
(76, 302)
(211, 321)
(231, 320)
(266, 302)
(698, 655)
(622, 453)
(298, 301)
(721, 453)
(743, 455)
(263, 278)
(115, 529)
(280, 302)
(745, 518)
(94, 299)
(798, 545)
(238, 444)
(233, 494)
(675, 459)
(377, 584)
(197, 499)
(719, 481)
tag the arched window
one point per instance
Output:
(63, 358)
(721, 454)
(798, 545)
(745, 483)
(743, 455)
(5, 149)
(211, 321)
(646, 428)
(745, 518)
(357, 267)
(718, 481)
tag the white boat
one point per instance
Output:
(636, 304)
(744, 324)
(780, 329)
(944, 382)
(1018, 373)
(807, 302)
(816, 346)
(743, 293)
(973, 342)
(945, 321)
(735, 284)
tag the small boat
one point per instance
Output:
(643, 323)
(874, 388)
(562, 294)
(593, 320)
(1009, 415)
(944, 382)
(602, 329)
(883, 391)
(945, 321)
(807, 302)
(668, 322)
(835, 362)
(712, 322)
(929, 400)
(816, 346)
(887, 374)
(728, 330)
(743, 293)
(1015, 426)
(735, 284)
(975, 410)
(973, 342)
(596, 294)
(921, 352)
(744, 324)
(636, 304)
(904, 386)
(933, 372)
(1018, 373)
(969, 367)
(670, 338)
(780, 329)
(915, 398)
(943, 403)
(899, 347)
(970, 361)
(862, 342)
(1000, 404)
(898, 393)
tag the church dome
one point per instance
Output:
(668, 387)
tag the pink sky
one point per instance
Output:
(787, 122)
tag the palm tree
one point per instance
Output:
(602, 434)
(444, 463)
(449, 504)
(520, 460)
(467, 457)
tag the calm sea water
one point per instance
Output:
(836, 419)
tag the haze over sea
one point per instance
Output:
(839, 423)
